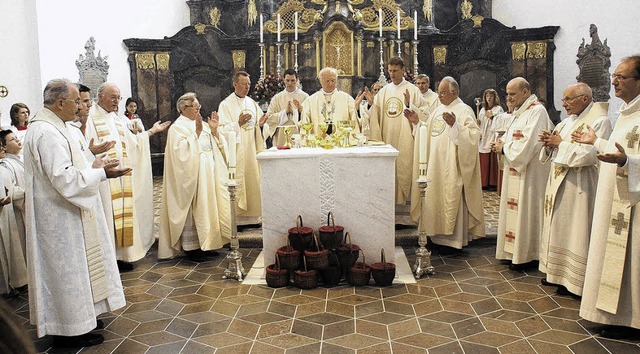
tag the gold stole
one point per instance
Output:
(558, 173)
(121, 188)
(93, 249)
(617, 237)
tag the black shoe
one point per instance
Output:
(197, 256)
(562, 290)
(619, 332)
(546, 283)
(519, 267)
(448, 251)
(99, 324)
(124, 267)
(84, 340)
(211, 253)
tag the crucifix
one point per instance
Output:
(619, 223)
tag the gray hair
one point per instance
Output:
(583, 89)
(453, 84)
(184, 101)
(103, 86)
(422, 76)
(56, 89)
(328, 70)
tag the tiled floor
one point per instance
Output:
(472, 305)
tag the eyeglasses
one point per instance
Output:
(76, 101)
(198, 106)
(570, 99)
(442, 94)
(115, 98)
(621, 78)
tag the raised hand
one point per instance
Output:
(102, 146)
(449, 118)
(159, 127)
(411, 116)
(368, 95)
(588, 137)
(407, 98)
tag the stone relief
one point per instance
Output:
(594, 61)
(93, 70)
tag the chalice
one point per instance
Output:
(346, 126)
(324, 126)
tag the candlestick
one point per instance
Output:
(295, 25)
(415, 57)
(278, 27)
(380, 20)
(398, 23)
(381, 79)
(232, 155)
(261, 30)
(261, 45)
(423, 144)
(423, 255)
(235, 269)
(415, 25)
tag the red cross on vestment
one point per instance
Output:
(517, 135)
(512, 203)
(510, 236)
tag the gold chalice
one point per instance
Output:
(307, 127)
(346, 126)
(324, 126)
(287, 138)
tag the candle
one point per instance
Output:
(398, 23)
(261, 30)
(278, 27)
(415, 25)
(380, 20)
(232, 149)
(295, 25)
(423, 144)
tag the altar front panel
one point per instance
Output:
(357, 184)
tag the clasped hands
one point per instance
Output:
(550, 139)
(589, 137)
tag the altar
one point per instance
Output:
(357, 184)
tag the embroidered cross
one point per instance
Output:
(580, 129)
(548, 204)
(517, 135)
(632, 137)
(512, 203)
(558, 170)
(513, 172)
(619, 223)
(510, 236)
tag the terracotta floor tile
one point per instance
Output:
(336, 349)
(193, 347)
(243, 328)
(545, 347)
(354, 341)
(369, 309)
(129, 346)
(423, 340)
(447, 317)
(559, 337)
(313, 348)
(150, 327)
(182, 328)
(288, 340)
(397, 347)
(504, 327)
(175, 347)
(477, 348)
(404, 328)
(372, 329)
(468, 327)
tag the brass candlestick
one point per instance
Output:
(423, 255)
(234, 270)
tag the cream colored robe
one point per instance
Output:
(195, 172)
(611, 177)
(14, 168)
(249, 144)
(432, 100)
(341, 107)
(521, 151)
(565, 241)
(488, 135)
(13, 257)
(140, 158)
(453, 214)
(277, 113)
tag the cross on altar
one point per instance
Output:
(619, 223)
(632, 137)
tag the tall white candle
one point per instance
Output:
(295, 25)
(232, 149)
(261, 30)
(398, 23)
(278, 27)
(380, 20)
(423, 144)
(415, 25)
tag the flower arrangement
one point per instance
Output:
(265, 90)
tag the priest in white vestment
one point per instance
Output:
(329, 104)
(195, 209)
(612, 280)
(524, 180)
(501, 123)
(73, 275)
(453, 214)
(488, 159)
(363, 102)
(422, 82)
(239, 113)
(127, 201)
(389, 124)
(285, 109)
(571, 190)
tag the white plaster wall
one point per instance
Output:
(19, 59)
(616, 21)
(63, 33)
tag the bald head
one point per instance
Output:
(576, 98)
(328, 79)
(109, 97)
(518, 90)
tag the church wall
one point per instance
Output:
(20, 60)
(616, 21)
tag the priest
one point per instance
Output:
(128, 200)
(195, 209)
(453, 215)
(285, 109)
(570, 190)
(389, 124)
(612, 283)
(240, 114)
(73, 274)
(524, 180)
(422, 82)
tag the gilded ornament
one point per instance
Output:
(370, 44)
(306, 46)
(306, 19)
(338, 48)
(440, 55)
(162, 61)
(144, 61)
(466, 8)
(389, 13)
(239, 58)
(427, 10)
(477, 21)
(252, 13)
(536, 50)
(518, 50)
(200, 28)
(214, 16)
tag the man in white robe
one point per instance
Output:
(329, 104)
(195, 209)
(285, 109)
(570, 190)
(78, 127)
(239, 113)
(13, 167)
(73, 274)
(389, 124)
(363, 102)
(501, 123)
(524, 180)
(453, 214)
(612, 280)
(422, 82)
(488, 159)
(127, 201)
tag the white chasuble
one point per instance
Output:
(432, 100)
(277, 115)
(133, 151)
(569, 197)
(249, 144)
(61, 203)
(453, 213)
(14, 168)
(521, 203)
(334, 107)
(486, 124)
(612, 281)
(13, 252)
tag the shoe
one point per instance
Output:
(124, 267)
(521, 267)
(211, 253)
(99, 324)
(562, 290)
(448, 251)
(84, 340)
(544, 282)
(619, 332)
(197, 256)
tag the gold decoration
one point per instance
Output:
(214, 17)
(518, 50)
(536, 50)
(144, 61)
(427, 10)
(4, 91)
(389, 13)
(370, 44)
(466, 8)
(477, 21)
(239, 58)
(440, 55)
(306, 18)
(252, 13)
(338, 48)
(306, 46)
(359, 52)
(200, 28)
(162, 61)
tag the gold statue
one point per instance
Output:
(252, 13)
(214, 16)
(427, 10)
(466, 8)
